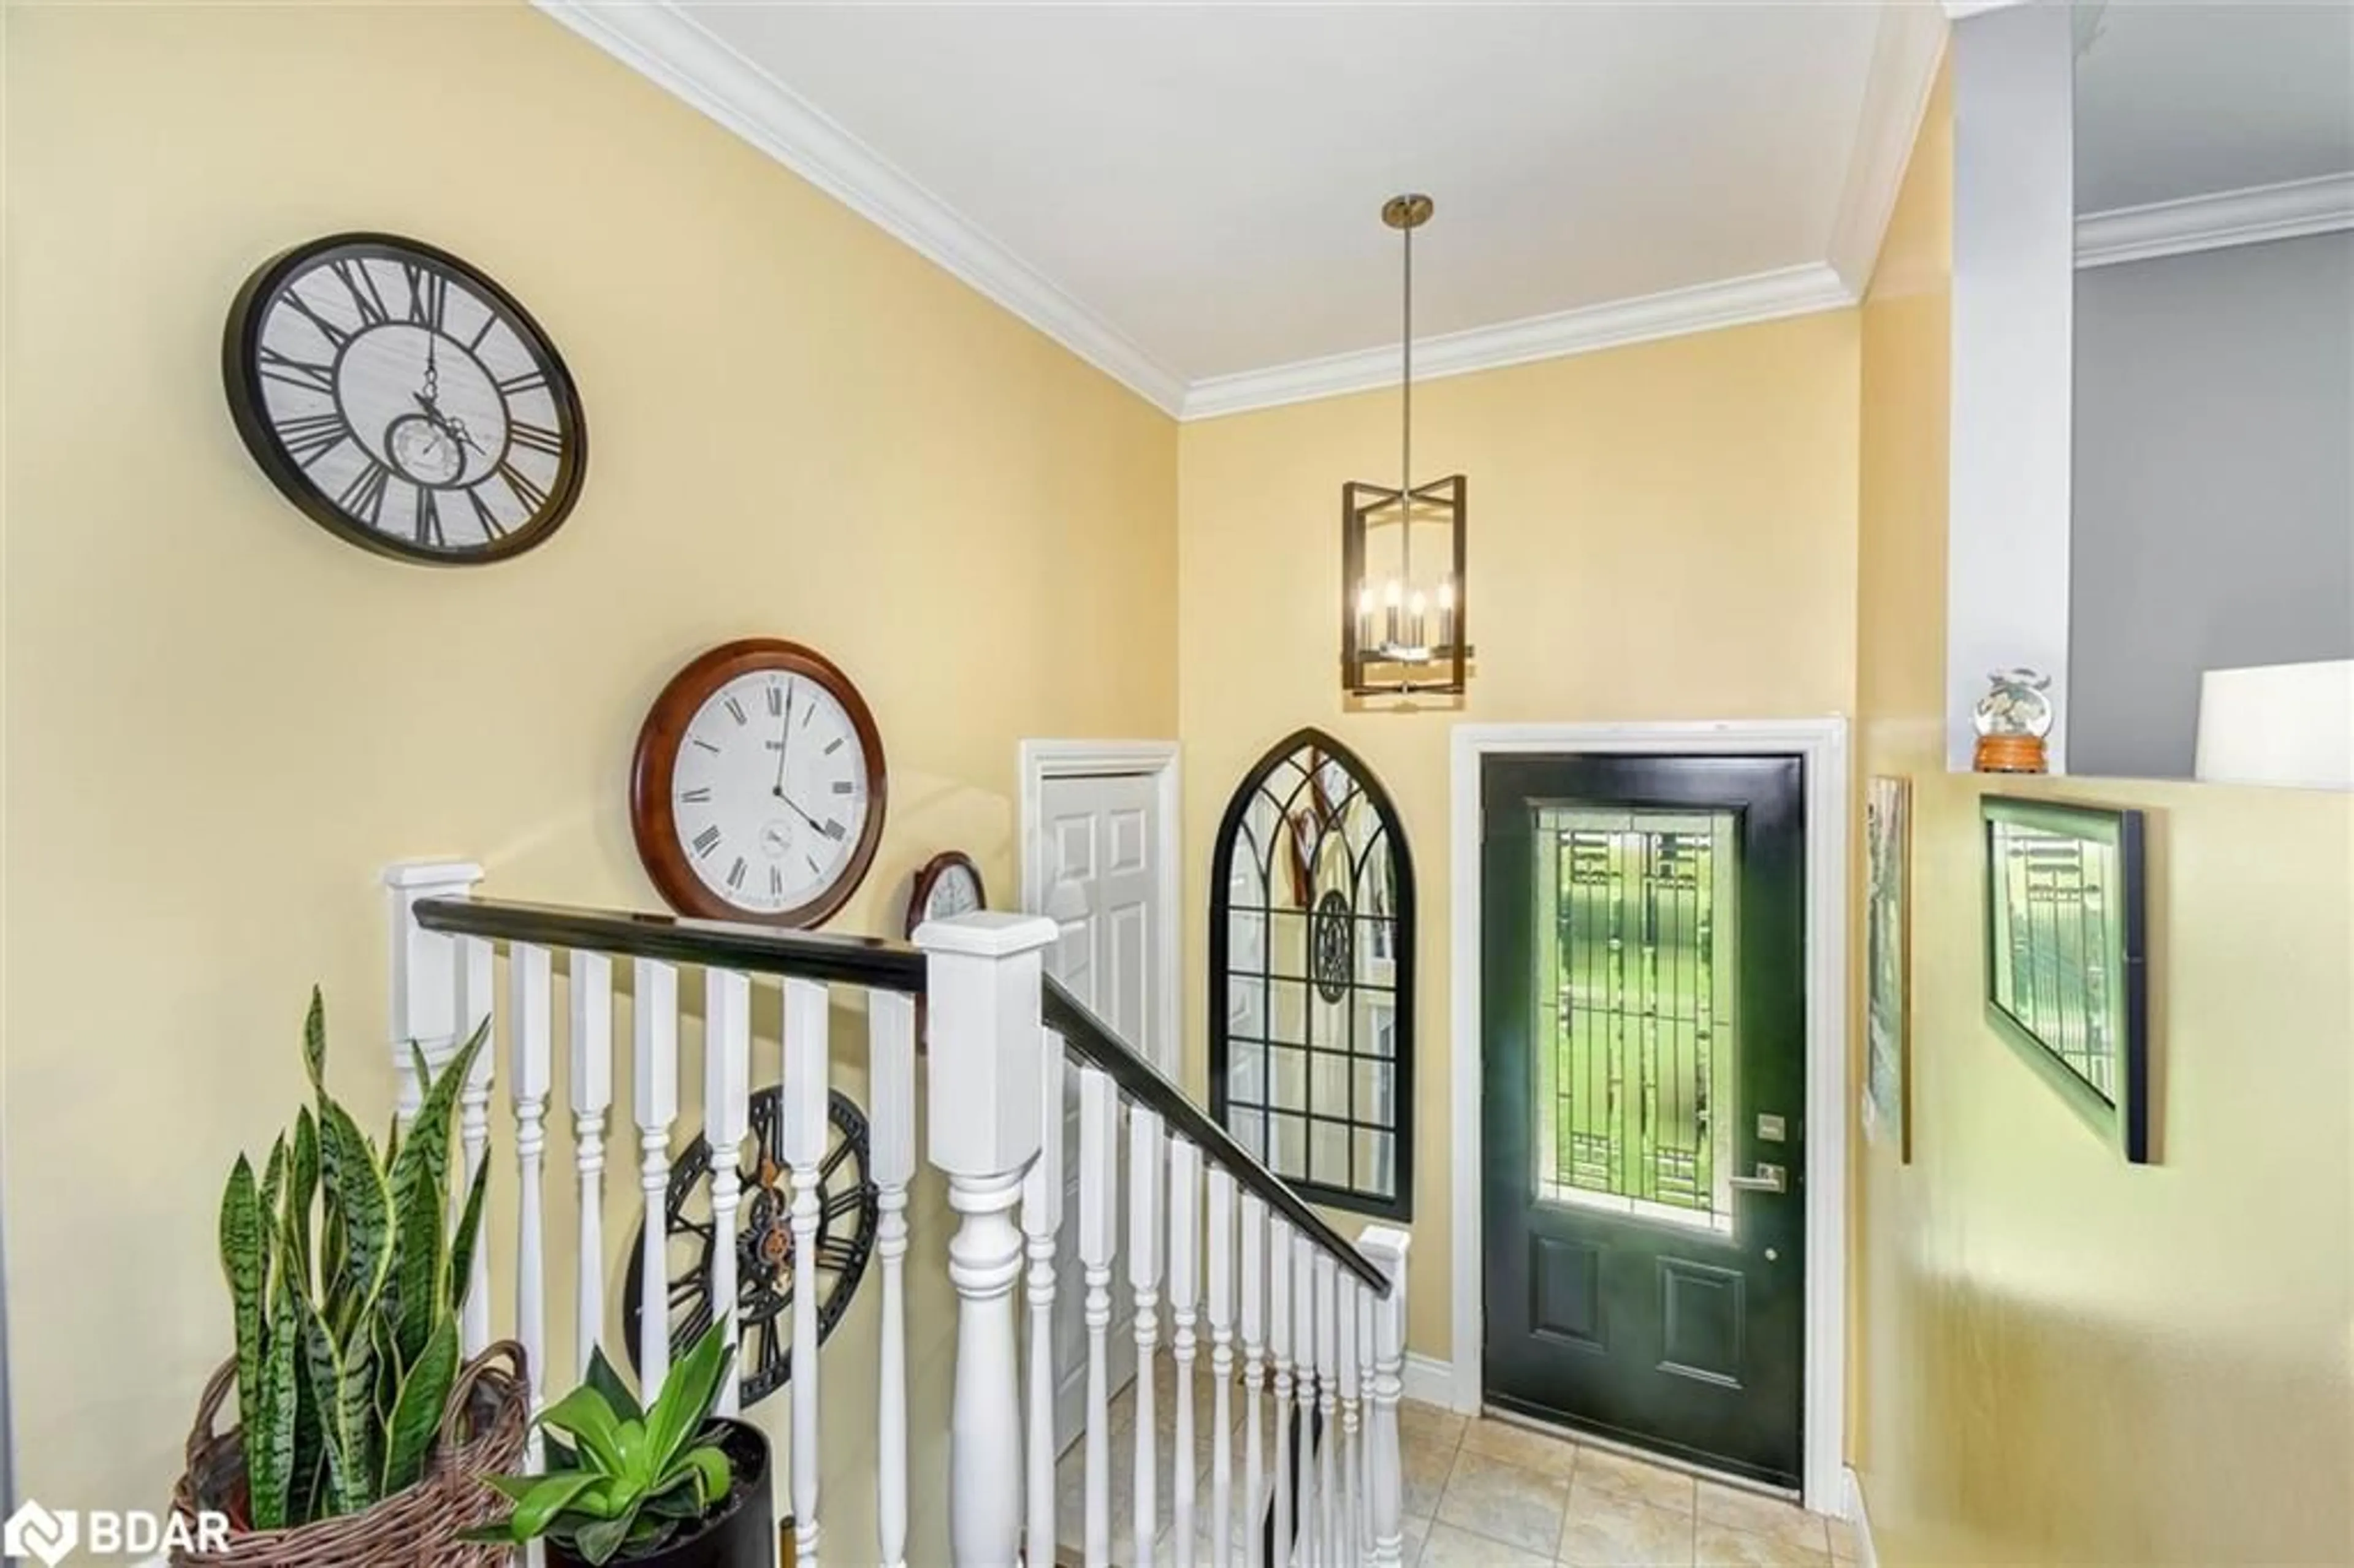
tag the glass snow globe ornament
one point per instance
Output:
(2012, 720)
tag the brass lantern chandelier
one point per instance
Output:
(1401, 598)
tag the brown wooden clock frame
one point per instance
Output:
(919, 892)
(654, 821)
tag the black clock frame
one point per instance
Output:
(241, 378)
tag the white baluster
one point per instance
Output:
(1352, 1534)
(726, 1106)
(1328, 1408)
(891, 1154)
(530, 974)
(653, 1011)
(1254, 1273)
(1303, 1350)
(1386, 1247)
(1222, 1368)
(1278, 1323)
(802, 1136)
(1042, 1218)
(1099, 1239)
(592, 1095)
(1144, 1222)
(988, 1054)
(475, 981)
(1184, 1279)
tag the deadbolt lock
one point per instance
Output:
(1771, 1128)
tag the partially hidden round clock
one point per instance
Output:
(848, 1211)
(759, 786)
(948, 885)
(403, 400)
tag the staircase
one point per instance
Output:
(1278, 1396)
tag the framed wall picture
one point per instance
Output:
(1888, 935)
(2066, 946)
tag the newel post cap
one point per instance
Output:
(988, 1051)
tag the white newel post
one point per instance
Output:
(592, 1096)
(726, 1107)
(987, 1056)
(1386, 1247)
(891, 1149)
(1042, 1219)
(424, 971)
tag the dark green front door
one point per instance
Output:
(1643, 1045)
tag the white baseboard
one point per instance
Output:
(1868, 1556)
(1428, 1381)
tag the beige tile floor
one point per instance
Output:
(1490, 1494)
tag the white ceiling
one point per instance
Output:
(2183, 101)
(1189, 195)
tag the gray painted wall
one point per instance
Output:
(2213, 476)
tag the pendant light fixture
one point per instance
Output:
(1402, 600)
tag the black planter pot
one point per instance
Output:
(741, 1534)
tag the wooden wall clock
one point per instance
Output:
(948, 885)
(404, 401)
(759, 786)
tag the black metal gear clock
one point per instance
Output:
(847, 1215)
(404, 401)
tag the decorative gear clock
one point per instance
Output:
(847, 1214)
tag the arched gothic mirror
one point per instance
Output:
(1311, 978)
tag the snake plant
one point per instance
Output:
(345, 1283)
(629, 1478)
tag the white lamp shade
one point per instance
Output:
(2289, 725)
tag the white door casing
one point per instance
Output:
(1099, 857)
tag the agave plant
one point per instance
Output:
(629, 1478)
(346, 1279)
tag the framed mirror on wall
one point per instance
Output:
(1312, 977)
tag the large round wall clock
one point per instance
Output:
(403, 400)
(759, 787)
(948, 885)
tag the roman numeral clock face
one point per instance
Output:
(404, 400)
(759, 787)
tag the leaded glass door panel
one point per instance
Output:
(1643, 1043)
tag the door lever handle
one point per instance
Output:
(1769, 1179)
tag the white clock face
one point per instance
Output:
(771, 793)
(954, 891)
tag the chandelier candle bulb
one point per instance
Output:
(1417, 625)
(1396, 599)
(1447, 613)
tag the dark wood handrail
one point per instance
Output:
(883, 964)
(1092, 1039)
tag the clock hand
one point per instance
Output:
(447, 424)
(804, 816)
(785, 745)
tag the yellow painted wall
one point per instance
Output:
(1663, 531)
(2058, 1358)
(221, 722)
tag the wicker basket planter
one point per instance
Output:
(483, 1430)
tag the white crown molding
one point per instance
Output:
(2247, 216)
(1736, 301)
(669, 47)
(1905, 49)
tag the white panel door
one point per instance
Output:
(1100, 838)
